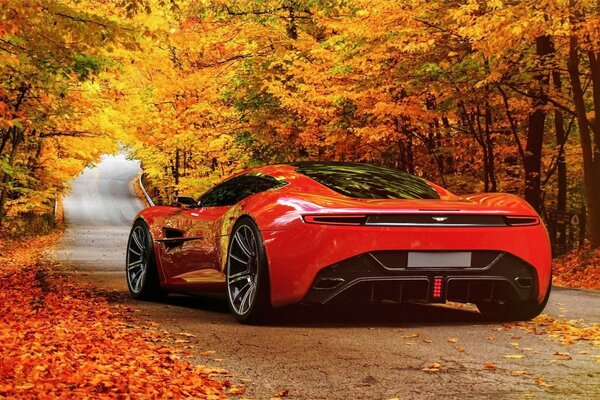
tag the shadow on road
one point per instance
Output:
(384, 314)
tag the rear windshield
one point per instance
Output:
(366, 181)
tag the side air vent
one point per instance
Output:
(435, 220)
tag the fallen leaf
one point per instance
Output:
(541, 382)
(514, 356)
(519, 373)
(433, 367)
(25, 386)
(562, 356)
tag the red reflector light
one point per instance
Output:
(520, 221)
(351, 219)
(437, 287)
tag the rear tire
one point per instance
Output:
(140, 264)
(514, 311)
(247, 274)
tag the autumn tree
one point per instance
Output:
(475, 95)
(50, 114)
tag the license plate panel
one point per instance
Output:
(439, 259)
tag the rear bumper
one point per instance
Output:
(300, 255)
(375, 276)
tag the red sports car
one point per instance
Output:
(322, 232)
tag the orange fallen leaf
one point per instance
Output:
(433, 367)
(542, 382)
(25, 386)
(411, 335)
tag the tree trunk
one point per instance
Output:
(589, 135)
(5, 137)
(489, 145)
(561, 164)
(535, 132)
(16, 141)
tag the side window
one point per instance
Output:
(235, 189)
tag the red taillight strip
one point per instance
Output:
(521, 220)
(352, 219)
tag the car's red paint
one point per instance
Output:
(322, 245)
(297, 251)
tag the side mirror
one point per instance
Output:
(183, 201)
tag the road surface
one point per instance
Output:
(406, 352)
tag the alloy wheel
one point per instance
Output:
(242, 269)
(137, 259)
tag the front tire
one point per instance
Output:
(140, 264)
(248, 289)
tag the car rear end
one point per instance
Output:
(429, 256)
(361, 232)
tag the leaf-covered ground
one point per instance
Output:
(579, 268)
(62, 340)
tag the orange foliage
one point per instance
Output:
(580, 268)
(62, 340)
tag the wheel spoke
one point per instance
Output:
(246, 299)
(134, 279)
(134, 252)
(138, 239)
(250, 240)
(243, 247)
(238, 277)
(140, 278)
(142, 239)
(245, 287)
(236, 258)
(135, 264)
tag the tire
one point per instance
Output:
(514, 311)
(247, 274)
(140, 264)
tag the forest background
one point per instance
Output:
(473, 95)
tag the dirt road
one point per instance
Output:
(406, 352)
